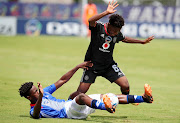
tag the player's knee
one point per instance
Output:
(73, 95)
(125, 89)
(126, 92)
(81, 97)
(125, 86)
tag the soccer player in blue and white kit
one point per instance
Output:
(44, 105)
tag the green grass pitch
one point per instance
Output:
(46, 58)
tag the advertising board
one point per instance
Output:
(8, 25)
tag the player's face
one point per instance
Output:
(34, 93)
(113, 31)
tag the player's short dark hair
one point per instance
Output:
(24, 89)
(116, 20)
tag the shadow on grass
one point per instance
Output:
(24, 116)
(104, 119)
(101, 119)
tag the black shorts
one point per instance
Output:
(112, 73)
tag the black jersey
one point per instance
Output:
(100, 50)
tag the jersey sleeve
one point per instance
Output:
(50, 89)
(120, 37)
(88, 53)
(96, 27)
(31, 112)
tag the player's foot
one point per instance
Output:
(107, 103)
(147, 96)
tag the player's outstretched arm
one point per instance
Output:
(65, 78)
(132, 40)
(37, 107)
(110, 9)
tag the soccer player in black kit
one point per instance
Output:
(100, 51)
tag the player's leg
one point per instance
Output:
(114, 74)
(124, 84)
(126, 99)
(83, 99)
(147, 97)
(87, 79)
(83, 88)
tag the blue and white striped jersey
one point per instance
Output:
(50, 106)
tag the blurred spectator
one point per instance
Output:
(89, 10)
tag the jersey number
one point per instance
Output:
(116, 69)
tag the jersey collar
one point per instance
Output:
(106, 29)
(32, 105)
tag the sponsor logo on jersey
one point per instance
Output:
(106, 45)
(86, 77)
(102, 35)
(101, 49)
(108, 40)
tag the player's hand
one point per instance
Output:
(85, 65)
(41, 92)
(148, 40)
(111, 7)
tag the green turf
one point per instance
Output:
(46, 58)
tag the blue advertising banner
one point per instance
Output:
(49, 27)
(162, 30)
(58, 19)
